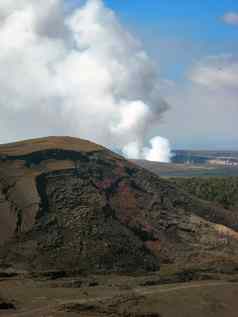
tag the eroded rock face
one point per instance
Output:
(6, 305)
(68, 204)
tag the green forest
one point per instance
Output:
(221, 190)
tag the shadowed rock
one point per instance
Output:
(68, 204)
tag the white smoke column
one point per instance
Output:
(132, 150)
(81, 74)
(160, 150)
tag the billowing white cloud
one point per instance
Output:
(132, 150)
(82, 74)
(231, 18)
(205, 106)
(159, 151)
(216, 72)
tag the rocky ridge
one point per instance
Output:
(69, 204)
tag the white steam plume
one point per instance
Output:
(159, 151)
(81, 74)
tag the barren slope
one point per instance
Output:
(68, 204)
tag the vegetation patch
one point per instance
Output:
(220, 190)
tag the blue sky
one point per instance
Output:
(188, 18)
(178, 31)
(194, 28)
(178, 34)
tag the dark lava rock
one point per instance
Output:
(5, 305)
(70, 205)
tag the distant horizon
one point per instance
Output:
(110, 148)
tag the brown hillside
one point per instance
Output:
(43, 144)
(69, 204)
